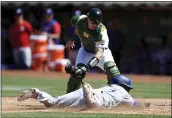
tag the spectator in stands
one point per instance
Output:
(164, 55)
(73, 53)
(117, 39)
(51, 27)
(169, 50)
(4, 37)
(145, 48)
(154, 48)
(19, 33)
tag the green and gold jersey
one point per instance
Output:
(90, 39)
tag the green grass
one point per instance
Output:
(75, 115)
(58, 87)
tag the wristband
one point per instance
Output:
(93, 62)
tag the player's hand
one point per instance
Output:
(136, 104)
(70, 44)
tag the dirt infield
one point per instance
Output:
(157, 106)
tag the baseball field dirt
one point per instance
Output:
(157, 106)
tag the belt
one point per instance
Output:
(94, 52)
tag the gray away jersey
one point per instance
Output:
(112, 96)
(108, 96)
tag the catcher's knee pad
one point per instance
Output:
(76, 77)
(111, 69)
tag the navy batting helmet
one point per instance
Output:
(95, 15)
(122, 80)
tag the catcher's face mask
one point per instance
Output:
(92, 25)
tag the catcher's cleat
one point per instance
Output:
(31, 93)
(89, 95)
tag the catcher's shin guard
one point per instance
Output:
(76, 78)
(73, 84)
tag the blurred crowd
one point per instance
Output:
(140, 41)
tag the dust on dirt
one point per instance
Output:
(157, 107)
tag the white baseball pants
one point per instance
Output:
(84, 57)
(23, 55)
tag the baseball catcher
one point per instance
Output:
(94, 50)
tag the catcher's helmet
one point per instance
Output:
(122, 80)
(95, 15)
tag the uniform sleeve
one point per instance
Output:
(57, 28)
(102, 38)
(75, 36)
(75, 19)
